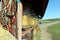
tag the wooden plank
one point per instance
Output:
(27, 30)
(19, 20)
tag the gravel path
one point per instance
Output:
(44, 34)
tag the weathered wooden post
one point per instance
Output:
(19, 20)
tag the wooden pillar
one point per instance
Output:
(19, 21)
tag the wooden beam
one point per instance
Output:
(26, 31)
(19, 21)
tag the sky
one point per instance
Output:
(53, 9)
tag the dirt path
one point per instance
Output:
(44, 34)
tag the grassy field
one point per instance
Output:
(45, 21)
(50, 20)
(55, 31)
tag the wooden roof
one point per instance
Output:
(36, 6)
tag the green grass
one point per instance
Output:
(55, 31)
(51, 20)
(47, 22)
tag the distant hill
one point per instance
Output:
(55, 19)
(50, 20)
